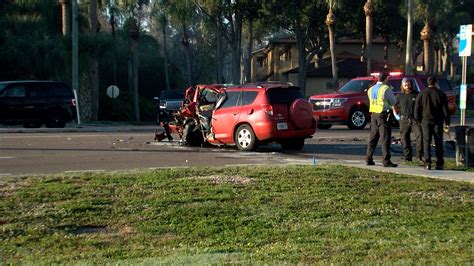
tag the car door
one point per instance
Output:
(226, 116)
(36, 101)
(12, 103)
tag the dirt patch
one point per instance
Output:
(9, 187)
(90, 230)
(224, 179)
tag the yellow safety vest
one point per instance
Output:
(376, 98)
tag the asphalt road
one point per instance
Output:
(46, 151)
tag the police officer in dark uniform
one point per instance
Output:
(381, 100)
(406, 103)
(431, 109)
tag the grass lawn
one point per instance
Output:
(266, 215)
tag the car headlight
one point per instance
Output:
(338, 101)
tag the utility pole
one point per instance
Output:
(75, 58)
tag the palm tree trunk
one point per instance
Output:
(248, 61)
(302, 62)
(219, 53)
(94, 67)
(187, 53)
(133, 67)
(330, 20)
(409, 43)
(425, 36)
(136, 104)
(446, 56)
(236, 51)
(368, 34)
(66, 17)
(165, 54)
(114, 37)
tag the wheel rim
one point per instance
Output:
(358, 118)
(244, 138)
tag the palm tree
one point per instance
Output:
(94, 67)
(159, 8)
(425, 36)
(409, 43)
(65, 17)
(330, 21)
(368, 34)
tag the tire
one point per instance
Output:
(301, 114)
(244, 138)
(56, 120)
(292, 144)
(192, 135)
(358, 118)
(195, 139)
(324, 126)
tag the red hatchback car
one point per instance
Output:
(350, 105)
(248, 115)
(262, 113)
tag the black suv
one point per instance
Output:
(34, 103)
(169, 101)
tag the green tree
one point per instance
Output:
(304, 19)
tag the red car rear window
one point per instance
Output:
(284, 95)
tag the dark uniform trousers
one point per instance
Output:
(380, 126)
(432, 130)
(407, 125)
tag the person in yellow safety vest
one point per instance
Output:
(381, 99)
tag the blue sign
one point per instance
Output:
(465, 40)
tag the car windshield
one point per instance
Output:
(356, 85)
(284, 95)
(170, 94)
(444, 84)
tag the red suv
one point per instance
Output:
(350, 105)
(247, 115)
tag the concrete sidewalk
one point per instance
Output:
(416, 171)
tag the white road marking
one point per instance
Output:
(7, 157)
(5, 174)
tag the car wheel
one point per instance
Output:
(358, 118)
(292, 144)
(324, 126)
(56, 121)
(245, 138)
(191, 134)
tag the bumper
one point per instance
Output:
(267, 131)
(338, 115)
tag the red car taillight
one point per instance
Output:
(267, 108)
